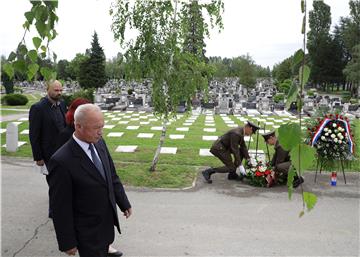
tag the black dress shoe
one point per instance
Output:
(234, 176)
(297, 181)
(114, 254)
(206, 174)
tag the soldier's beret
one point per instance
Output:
(268, 135)
(253, 126)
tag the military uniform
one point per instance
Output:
(281, 162)
(228, 145)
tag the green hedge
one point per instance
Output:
(14, 99)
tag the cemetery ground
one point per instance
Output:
(185, 150)
(226, 218)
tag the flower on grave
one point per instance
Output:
(333, 136)
(326, 129)
(335, 140)
(323, 138)
(326, 134)
(334, 125)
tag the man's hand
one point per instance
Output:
(71, 251)
(128, 213)
(40, 163)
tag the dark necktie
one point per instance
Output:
(97, 161)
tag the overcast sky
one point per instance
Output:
(269, 30)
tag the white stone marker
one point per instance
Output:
(126, 148)
(156, 128)
(205, 152)
(209, 138)
(115, 134)
(144, 122)
(176, 136)
(209, 129)
(24, 119)
(168, 150)
(247, 138)
(145, 135)
(25, 132)
(132, 127)
(183, 129)
(123, 122)
(12, 137)
(2, 131)
(109, 126)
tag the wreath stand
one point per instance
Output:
(320, 164)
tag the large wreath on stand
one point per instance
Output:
(332, 138)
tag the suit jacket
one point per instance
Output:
(82, 202)
(43, 130)
(280, 155)
(64, 136)
(233, 141)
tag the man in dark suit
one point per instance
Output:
(85, 189)
(46, 120)
(231, 143)
(280, 162)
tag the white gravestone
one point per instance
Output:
(12, 137)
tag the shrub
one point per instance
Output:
(14, 99)
(278, 97)
(83, 93)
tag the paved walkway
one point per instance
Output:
(225, 218)
(23, 114)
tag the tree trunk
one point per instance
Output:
(161, 142)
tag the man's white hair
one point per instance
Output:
(83, 111)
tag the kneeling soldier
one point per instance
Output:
(231, 143)
(280, 162)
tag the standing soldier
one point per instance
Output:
(231, 143)
(280, 162)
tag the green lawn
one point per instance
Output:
(173, 171)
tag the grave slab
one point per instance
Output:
(123, 122)
(126, 148)
(144, 122)
(209, 138)
(25, 132)
(176, 136)
(209, 129)
(115, 134)
(205, 152)
(20, 143)
(156, 128)
(168, 150)
(132, 127)
(145, 135)
(182, 129)
(109, 126)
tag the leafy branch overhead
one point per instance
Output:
(291, 135)
(169, 48)
(24, 60)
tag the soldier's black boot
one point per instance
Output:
(297, 181)
(207, 174)
(233, 176)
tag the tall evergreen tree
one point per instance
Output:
(319, 41)
(92, 70)
(193, 30)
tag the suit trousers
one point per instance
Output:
(86, 252)
(226, 158)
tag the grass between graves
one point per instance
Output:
(173, 171)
